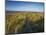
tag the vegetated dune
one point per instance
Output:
(15, 21)
(31, 15)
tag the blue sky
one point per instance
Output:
(24, 6)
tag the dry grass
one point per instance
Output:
(17, 20)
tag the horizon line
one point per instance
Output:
(26, 11)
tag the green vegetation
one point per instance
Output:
(16, 23)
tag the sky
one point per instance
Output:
(24, 6)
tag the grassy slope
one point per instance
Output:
(17, 20)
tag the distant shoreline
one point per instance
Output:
(22, 11)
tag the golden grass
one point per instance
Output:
(13, 21)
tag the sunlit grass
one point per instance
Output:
(18, 19)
